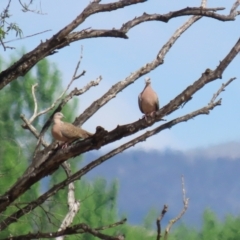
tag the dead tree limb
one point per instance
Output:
(13, 218)
(64, 37)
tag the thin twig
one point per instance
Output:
(3, 17)
(28, 123)
(64, 101)
(32, 35)
(204, 3)
(74, 77)
(26, 8)
(205, 110)
(158, 222)
(118, 87)
(62, 38)
(185, 206)
(32, 129)
(35, 102)
(35, 114)
(75, 229)
(233, 11)
(112, 225)
(73, 204)
(2, 44)
(221, 89)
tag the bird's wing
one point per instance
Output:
(157, 104)
(140, 102)
(88, 133)
(69, 131)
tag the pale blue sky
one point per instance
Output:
(201, 47)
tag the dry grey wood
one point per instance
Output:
(59, 156)
(185, 206)
(205, 110)
(35, 112)
(122, 84)
(42, 159)
(64, 101)
(32, 129)
(76, 229)
(48, 157)
(118, 87)
(233, 11)
(73, 204)
(57, 41)
(64, 37)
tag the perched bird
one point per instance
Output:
(148, 100)
(66, 132)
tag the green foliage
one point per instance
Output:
(150, 219)
(98, 202)
(212, 228)
(6, 26)
(183, 232)
(17, 144)
(137, 232)
(98, 198)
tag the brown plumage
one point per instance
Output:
(66, 132)
(148, 100)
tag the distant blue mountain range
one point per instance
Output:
(150, 179)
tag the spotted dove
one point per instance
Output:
(66, 132)
(148, 100)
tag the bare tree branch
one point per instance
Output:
(32, 35)
(100, 160)
(73, 204)
(206, 12)
(27, 9)
(185, 206)
(64, 101)
(76, 229)
(116, 88)
(204, 3)
(23, 65)
(61, 39)
(224, 85)
(233, 11)
(102, 138)
(75, 92)
(158, 222)
(74, 77)
(46, 161)
(32, 129)
(4, 47)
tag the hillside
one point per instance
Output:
(152, 178)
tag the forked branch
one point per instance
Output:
(76, 229)
(65, 36)
(185, 206)
(61, 101)
(100, 160)
(164, 210)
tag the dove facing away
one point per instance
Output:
(148, 100)
(66, 132)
